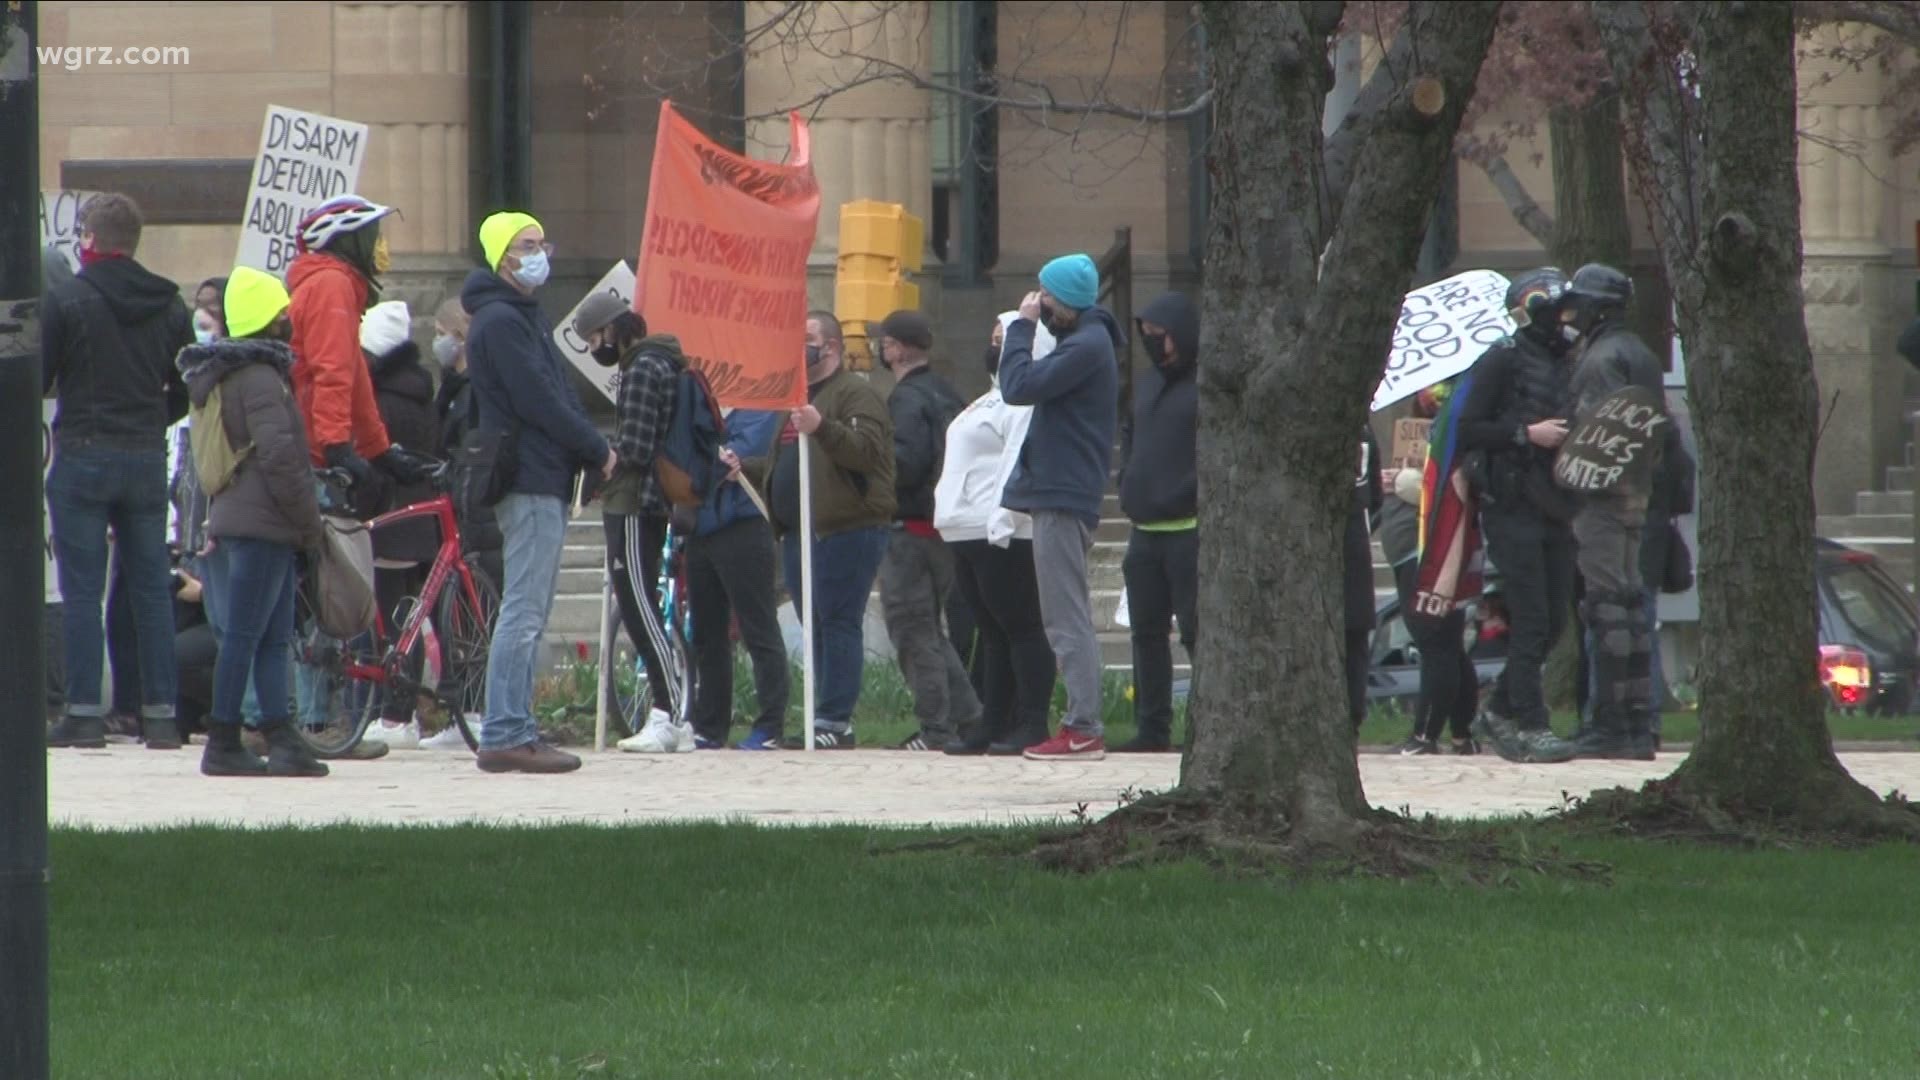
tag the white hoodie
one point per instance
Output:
(983, 444)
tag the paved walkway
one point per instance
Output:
(127, 787)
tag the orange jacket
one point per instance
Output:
(331, 383)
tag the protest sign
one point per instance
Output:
(1443, 329)
(1410, 443)
(60, 222)
(1612, 448)
(723, 261)
(619, 282)
(305, 159)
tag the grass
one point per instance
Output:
(729, 952)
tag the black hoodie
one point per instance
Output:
(1158, 478)
(108, 341)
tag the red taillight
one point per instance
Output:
(1857, 558)
(1846, 673)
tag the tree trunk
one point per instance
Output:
(1721, 170)
(1292, 354)
(1589, 186)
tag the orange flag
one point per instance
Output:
(723, 262)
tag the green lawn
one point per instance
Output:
(730, 952)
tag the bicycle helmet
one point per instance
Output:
(335, 218)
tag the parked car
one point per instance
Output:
(1868, 642)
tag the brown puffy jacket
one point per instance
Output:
(271, 496)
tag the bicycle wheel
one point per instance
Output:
(331, 709)
(466, 634)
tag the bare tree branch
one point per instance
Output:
(1900, 18)
(1526, 209)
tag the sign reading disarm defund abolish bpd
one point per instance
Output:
(305, 159)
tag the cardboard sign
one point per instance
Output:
(1410, 439)
(304, 160)
(619, 282)
(1612, 448)
(1443, 329)
(723, 261)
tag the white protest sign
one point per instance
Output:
(1443, 329)
(619, 282)
(60, 222)
(305, 159)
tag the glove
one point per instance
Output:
(341, 456)
(404, 465)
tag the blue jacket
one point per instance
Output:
(519, 376)
(1075, 391)
(750, 435)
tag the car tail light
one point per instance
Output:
(1846, 673)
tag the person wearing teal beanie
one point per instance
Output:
(1061, 475)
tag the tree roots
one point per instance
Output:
(1831, 811)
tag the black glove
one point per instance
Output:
(404, 465)
(341, 456)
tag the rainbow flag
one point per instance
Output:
(1452, 566)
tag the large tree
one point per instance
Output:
(1710, 92)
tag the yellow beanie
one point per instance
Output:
(253, 301)
(499, 230)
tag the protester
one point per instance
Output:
(210, 297)
(1357, 590)
(1160, 494)
(197, 650)
(1607, 528)
(108, 340)
(1515, 414)
(480, 540)
(520, 385)
(1061, 476)
(730, 578)
(851, 476)
(404, 550)
(265, 515)
(334, 279)
(993, 553)
(207, 325)
(634, 513)
(916, 575)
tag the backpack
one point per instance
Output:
(341, 579)
(687, 464)
(215, 459)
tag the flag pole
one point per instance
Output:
(605, 688)
(806, 585)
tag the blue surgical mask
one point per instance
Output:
(533, 270)
(202, 335)
(445, 348)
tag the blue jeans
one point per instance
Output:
(256, 632)
(89, 489)
(535, 528)
(216, 591)
(844, 567)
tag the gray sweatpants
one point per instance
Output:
(1061, 542)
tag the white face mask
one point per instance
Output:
(533, 270)
(202, 335)
(445, 348)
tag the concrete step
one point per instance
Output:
(1867, 526)
(1883, 503)
(1900, 478)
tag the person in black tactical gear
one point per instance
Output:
(1608, 525)
(1514, 418)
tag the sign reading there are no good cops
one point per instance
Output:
(304, 160)
(1443, 329)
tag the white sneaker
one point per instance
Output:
(448, 738)
(683, 733)
(658, 737)
(397, 736)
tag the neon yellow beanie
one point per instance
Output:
(253, 301)
(499, 230)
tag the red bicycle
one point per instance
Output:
(444, 634)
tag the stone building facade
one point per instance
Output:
(474, 106)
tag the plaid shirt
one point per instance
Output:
(648, 385)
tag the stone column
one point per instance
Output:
(401, 68)
(1844, 171)
(870, 139)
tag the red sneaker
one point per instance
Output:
(1069, 745)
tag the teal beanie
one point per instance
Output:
(1073, 280)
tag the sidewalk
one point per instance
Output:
(128, 787)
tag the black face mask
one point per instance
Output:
(607, 355)
(1156, 346)
(813, 357)
(993, 359)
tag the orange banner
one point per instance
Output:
(723, 261)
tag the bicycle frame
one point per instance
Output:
(447, 562)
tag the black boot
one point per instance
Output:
(1016, 742)
(89, 732)
(226, 755)
(286, 754)
(1611, 617)
(975, 742)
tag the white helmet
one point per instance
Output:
(337, 216)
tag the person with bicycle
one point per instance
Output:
(521, 388)
(634, 512)
(259, 520)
